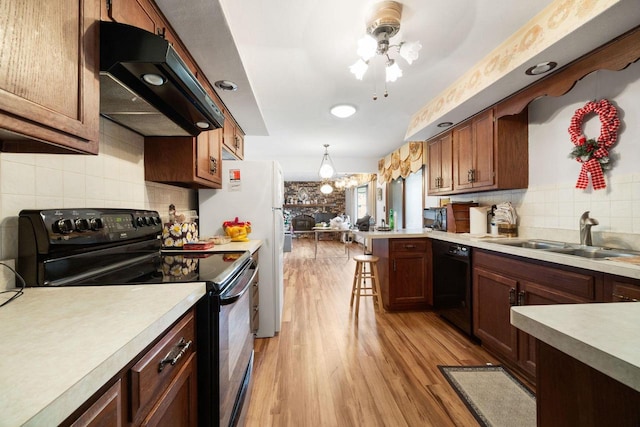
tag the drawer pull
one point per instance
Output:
(512, 297)
(409, 246)
(172, 358)
(624, 298)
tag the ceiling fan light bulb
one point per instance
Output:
(367, 47)
(409, 51)
(393, 71)
(359, 68)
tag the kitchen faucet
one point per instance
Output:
(585, 229)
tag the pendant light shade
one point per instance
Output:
(327, 170)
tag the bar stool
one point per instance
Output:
(359, 288)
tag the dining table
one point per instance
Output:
(345, 233)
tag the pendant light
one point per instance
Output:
(327, 170)
(326, 188)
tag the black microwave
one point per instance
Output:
(435, 218)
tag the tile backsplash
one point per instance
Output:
(112, 179)
(552, 212)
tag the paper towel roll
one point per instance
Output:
(478, 220)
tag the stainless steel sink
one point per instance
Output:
(595, 252)
(534, 244)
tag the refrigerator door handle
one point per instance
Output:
(276, 209)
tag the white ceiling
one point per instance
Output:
(291, 59)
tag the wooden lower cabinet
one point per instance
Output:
(501, 281)
(178, 405)
(405, 273)
(621, 289)
(107, 410)
(150, 391)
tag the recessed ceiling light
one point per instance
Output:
(541, 68)
(203, 125)
(226, 85)
(445, 124)
(343, 110)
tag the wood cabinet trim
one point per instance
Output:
(615, 56)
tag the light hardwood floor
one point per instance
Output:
(325, 368)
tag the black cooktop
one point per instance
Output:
(93, 247)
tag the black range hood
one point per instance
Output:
(146, 86)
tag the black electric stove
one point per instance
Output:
(88, 247)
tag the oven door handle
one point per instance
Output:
(230, 299)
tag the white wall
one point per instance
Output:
(551, 206)
(112, 179)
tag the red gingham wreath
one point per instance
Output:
(594, 154)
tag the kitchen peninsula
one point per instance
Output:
(588, 362)
(496, 245)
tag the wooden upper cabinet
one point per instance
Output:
(191, 162)
(483, 172)
(209, 157)
(439, 170)
(473, 148)
(233, 138)
(486, 154)
(49, 78)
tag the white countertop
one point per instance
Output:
(251, 245)
(489, 243)
(603, 336)
(58, 346)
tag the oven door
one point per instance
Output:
(236, 348)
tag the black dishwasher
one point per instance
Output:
(452, 284)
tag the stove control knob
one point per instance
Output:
(140, 221)
(148, 220)
(157, 220)
(63, 226)
(81, 224)
(96, 223)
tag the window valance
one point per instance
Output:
(405, 160)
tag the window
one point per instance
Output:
(405, 198)
(413, 200)
(396, 201)
(361, 201)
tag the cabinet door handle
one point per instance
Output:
(213, 165)
(394, 265)
(469, 176)
(512, 297)
(521, 296)
(176, 354)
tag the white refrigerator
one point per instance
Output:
(253, 191)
